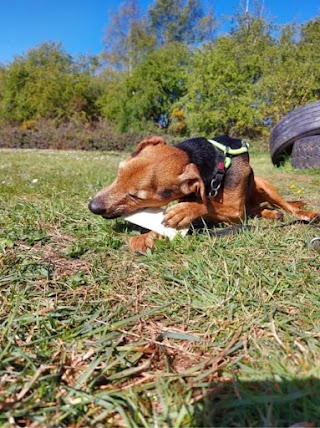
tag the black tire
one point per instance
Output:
(301, 122)
(306, 152)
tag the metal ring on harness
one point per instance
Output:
(214, 190)
(217, 180)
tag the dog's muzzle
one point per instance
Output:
(96, 208)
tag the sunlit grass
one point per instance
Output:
(203, 331)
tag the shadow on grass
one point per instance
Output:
(212, 229)
(199, 226)
(273, 403)
(126, 227)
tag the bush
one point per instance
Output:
(73, 135)
(47, 83)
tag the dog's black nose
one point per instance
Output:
(95, 207)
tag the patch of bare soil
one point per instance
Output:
(51, 253)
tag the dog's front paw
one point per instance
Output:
(141, 243)
(183, 214)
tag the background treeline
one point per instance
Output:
(165, 71)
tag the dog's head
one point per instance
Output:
(154, 175)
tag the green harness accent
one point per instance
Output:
(229, 151)
(224, 157)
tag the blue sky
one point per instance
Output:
(79, 24)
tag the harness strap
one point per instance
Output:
(223, 163)
(229, 151)
(218, 175)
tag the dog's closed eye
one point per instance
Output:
(139, 195)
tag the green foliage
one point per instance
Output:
(112, 101)
(291, 75)
(131, 100)
(157, 83)
(221, 96)
(246, 81)
(48, 83)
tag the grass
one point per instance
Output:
(201, 332)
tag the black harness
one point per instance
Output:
(223, 162)
(213, 158)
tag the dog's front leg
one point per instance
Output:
(184, 213)
(141, 243)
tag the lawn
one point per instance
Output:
(203, 331)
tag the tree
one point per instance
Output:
(2, 77)
(113, 98)
(221, 86)
(158, 83)
(309, 45)
(48, 83)
(291, 75)
(127, 41)
(134, 100)
(180, 21)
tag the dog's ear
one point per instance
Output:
(155, 140)
(191, 182)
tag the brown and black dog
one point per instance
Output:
(157, 174)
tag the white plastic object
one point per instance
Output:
(152, 218)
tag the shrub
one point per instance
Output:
(73, 135)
